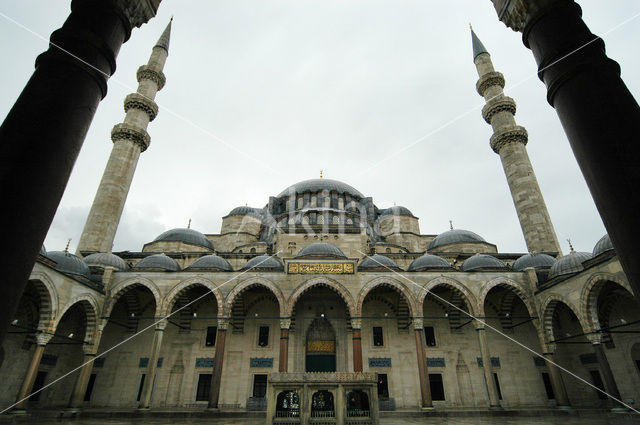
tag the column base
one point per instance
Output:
(563, 407)
(143, 409)
(70, 412)
(496, 407)
(619, 409)
(427, 408)
(18, 412)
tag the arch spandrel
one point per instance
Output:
(90, 305)
(591, 292)
(519, 290)
(171, 297)
(390, 282)
(467, 295)
(321, 281)
(249, 283)
(548, 308)
(49, 300)
(124, 286)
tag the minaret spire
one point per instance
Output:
(130, 138)
(508, 141)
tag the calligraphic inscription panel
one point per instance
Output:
(320, 268)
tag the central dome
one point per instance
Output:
(319, 185)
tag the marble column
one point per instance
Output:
(423, 372)
(492, 389)
(283, 361)
(356, 325)
(216, 379)
(43, 132)
(80, 387)
(607, 375)
(557, 383)
(27, 383)
(147, 390)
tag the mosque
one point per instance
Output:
(322, 305)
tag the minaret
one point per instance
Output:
(508, 141)
(130, 138)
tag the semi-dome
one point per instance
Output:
(321, 249)
(603, 245)
(396, 210)
(158, 261)
(455, 236)
(536, 260)
(106, 259)
(69, 263)
(211, 261)
(245, 210)
(189, 236)
(378, 262)
(264, 263)
(319, 185)
(568, 264)
(481, 262)
(428, 262)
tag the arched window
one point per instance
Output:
(300, 202)
(253, 250)
(336, 220)
(288, 405)
(350, 222)
(320, 219)
(322, 405)
(388, 250)
(358, 403)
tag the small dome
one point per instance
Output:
(319, 185)
(427, 262)
(106, 259)
(537, 261)
(378, 262)
(43, 251)
(455, 236)
(244, 210)
(265, 263)
(69, 263)
(603, 245)
(189, 236)
(321, 249)
(480, 262)
(158, 261)
(569, 264)
(396, 210)
(211, 262)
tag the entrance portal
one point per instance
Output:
(321, 347)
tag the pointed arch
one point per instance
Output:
(90, 306)
(326, 282)
(251, 283)
(591, 292)
(387, 282)
(171, 298)
(468, 298)
(124, 286)
(548, 309)
(521, 292)
(49, 301)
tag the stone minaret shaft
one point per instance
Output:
(508, 141)
(130, 138)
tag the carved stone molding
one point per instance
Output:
(137, 12)
(147, 73)
(134, 134)
(356, 323)
(516, 134)
(138, 101)
(285, 323)
(489, 79)
(418, 323)
(496, 105)
(223, 324)
(43, 338)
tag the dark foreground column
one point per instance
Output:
(423, 372)
(42, 134)
(216, 379)
(599, 115)
(152, 367)
(487, 368)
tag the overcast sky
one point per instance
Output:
(261, 94)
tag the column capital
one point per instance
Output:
(356, 323)
(137, 12)
(285, 322)
(223, 323)
(516, 13)
(418, 323)
(594, 338)
(43, 338)
(161, 325)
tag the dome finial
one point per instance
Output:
(450, 224)
(189, 224)
(66, 249)
(571, 246)
(320, 173)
